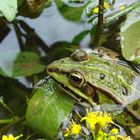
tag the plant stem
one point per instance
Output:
(5, 128)
(5, 121)
(4, 105)
(99, 24)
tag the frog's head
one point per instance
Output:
(71, 73)
(81, 73)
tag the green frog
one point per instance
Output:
(91, 78)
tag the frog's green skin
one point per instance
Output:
(83, 74)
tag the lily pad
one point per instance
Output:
(48, 108)
(130, 35)
(8, 9)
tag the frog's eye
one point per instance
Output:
(76, 79)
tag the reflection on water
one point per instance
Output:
(52, 27)
(7, 59)
(9, 42)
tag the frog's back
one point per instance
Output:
(112, 76)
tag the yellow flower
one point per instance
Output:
(122, 8)
(98, 117)
(96, 9)
(106, 5)
(90, 119)
(73, 129)
(114, 131)
(10, 137)
(112, 138)
(104, 119)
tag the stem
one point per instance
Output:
(19, 36)
(99, 24)
(5, 106)
(93, 135)
(3, 129)
(30, 136)
(5, 121)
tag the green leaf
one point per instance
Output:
(13, 64)
(8, 9)
(33, 8)
(70, 13)
(78, 38)
(26, 64)
(130, 42)
(111, 14)
(59, 50)
(48, 108)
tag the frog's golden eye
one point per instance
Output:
(76, 79)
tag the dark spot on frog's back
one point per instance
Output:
(102, 76)
(79, 56)
(124, 90)
(135, 107)
(84, 64)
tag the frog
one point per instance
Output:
(89, 77)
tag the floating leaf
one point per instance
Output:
(13, 64)
(8, 9)
(48, 108)
(130, 35)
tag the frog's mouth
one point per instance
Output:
(71, 93)
(63, 81)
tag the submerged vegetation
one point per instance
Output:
(93, 93)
